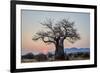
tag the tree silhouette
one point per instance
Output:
(28, 56)
(56, 34)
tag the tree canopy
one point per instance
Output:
(63, 29)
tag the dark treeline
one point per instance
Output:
(30, 57)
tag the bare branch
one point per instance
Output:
(62, 29)
(48, 24)
(68, 30)
(47, 40)
(36, 37)
(42, 35)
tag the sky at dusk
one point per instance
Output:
(30, 22)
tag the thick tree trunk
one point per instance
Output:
(59, 52)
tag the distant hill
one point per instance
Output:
(75, 50)
(66, 50)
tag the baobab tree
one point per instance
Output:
(56, 34)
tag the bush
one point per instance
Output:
(28, 56)
(41, 57)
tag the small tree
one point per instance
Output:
(56, 34)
